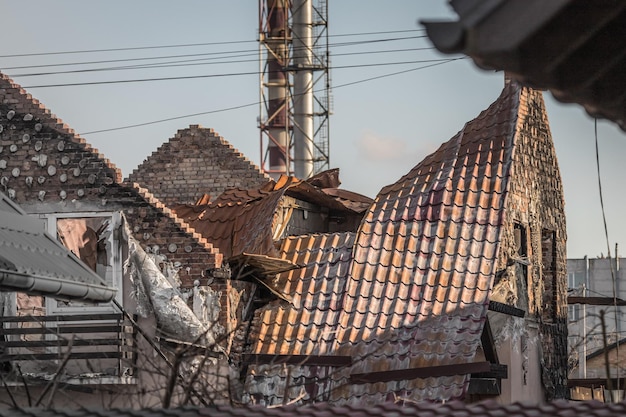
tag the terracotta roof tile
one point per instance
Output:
(425, 257)
(306, 326)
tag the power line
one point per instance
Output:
(187, 45)
(172, 118)
(229, 54)
(257, 103)
(232, 74)
(194, 62)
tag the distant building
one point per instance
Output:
(595, 285)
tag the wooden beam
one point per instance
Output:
(424, 372)
(506, 309)
(595, 382)
(67, 317)
(488, 343)
(310, 360)
(595, 301)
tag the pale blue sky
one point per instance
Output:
(379, 130)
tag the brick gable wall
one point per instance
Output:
(46, 168)
(194, 162)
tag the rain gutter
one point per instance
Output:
(54, 287)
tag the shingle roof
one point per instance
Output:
(451, 409)
(33, 261)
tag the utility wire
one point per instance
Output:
(608, 245)
(194, 62)
(257, 103)
(228, 54)
(138, 48)
(232, 74)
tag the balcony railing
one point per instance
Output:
(99, 344)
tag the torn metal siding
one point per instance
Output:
(156, 295)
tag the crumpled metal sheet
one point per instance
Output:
(156, 294)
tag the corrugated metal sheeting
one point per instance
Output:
(33, 261)
(417, 283)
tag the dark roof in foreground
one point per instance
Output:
(574, 48)
(32, 261)
(456, 409)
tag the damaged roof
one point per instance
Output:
(574, 48)
(417, 287)
(305, 326)
(34, 262)
(246, 220)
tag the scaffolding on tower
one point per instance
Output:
(294, 87)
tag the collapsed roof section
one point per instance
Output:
(250, 221)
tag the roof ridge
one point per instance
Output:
(60, 125)
(156, 203)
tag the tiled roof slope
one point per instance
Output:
(424, 262)
(306, 325)
(194, 162)
(423, 265)
(409, 409)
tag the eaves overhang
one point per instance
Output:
(574, 48)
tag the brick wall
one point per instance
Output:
(194, 162)
(46, 168)
(536, 203)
